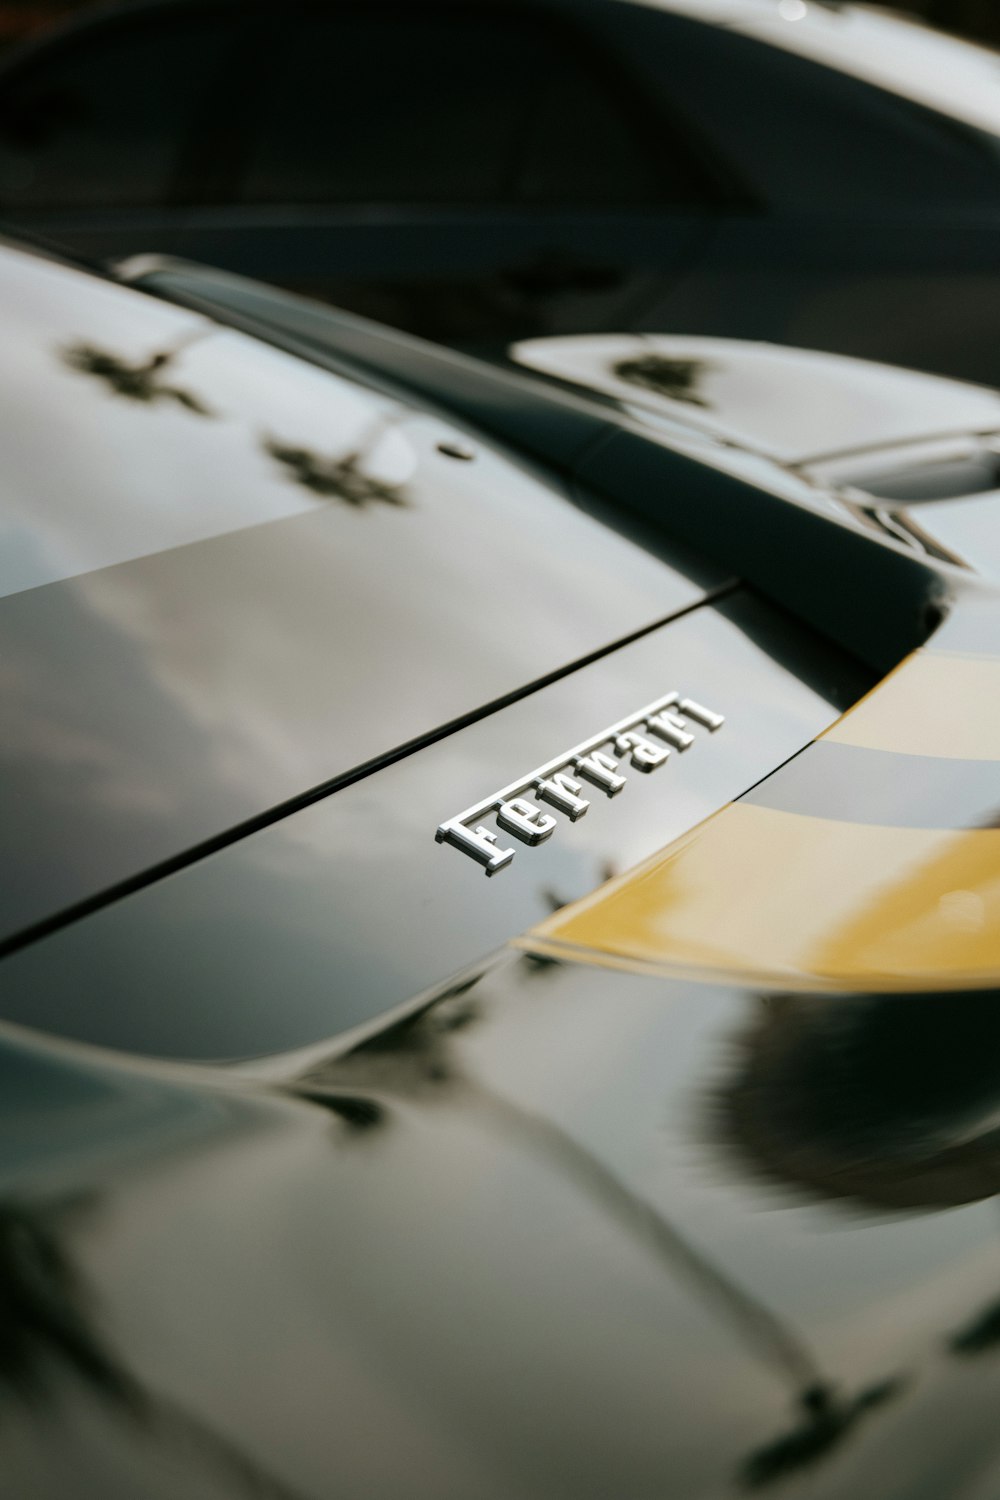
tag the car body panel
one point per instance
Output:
(868, 861)
(243, 661)
(793, 405)
(916, 457)
(539, 1238)
(343, 910)
(665, 472)
(470, 1218)
(891, 50)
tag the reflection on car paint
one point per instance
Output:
(170, 671)
(871, 859)
(144, 382)
(279, 938)
(629, 1191)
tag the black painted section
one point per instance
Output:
(877, 599)
(752, 517)
(852, 784)
(564, 1233)
(236, 579)
(337, 913)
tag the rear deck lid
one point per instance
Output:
(229, 578)
(791, 405)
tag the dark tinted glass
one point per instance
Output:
(102, 120)
(438, 106)
(585, 148)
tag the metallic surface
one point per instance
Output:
(236, 578)
(348, 907)
(564, 1233)
(516, 814)
(468, 1220)
(870, 860)
(915, 457)
(773, 898)
(755, 518)
(793, 405)
(939, 702)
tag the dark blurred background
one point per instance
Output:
(979, 19)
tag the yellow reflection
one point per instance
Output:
(775, 897)
(935, 703)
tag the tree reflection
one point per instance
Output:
(44, 1311)
(145, 383)
(826, 1418)
(888, 1102)
(48, 1331)
(344, 478)
(349, 476)
(980, 1335)
(417, 1056)
(676, 379)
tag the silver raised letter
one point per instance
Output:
(701, 715)
(562, 791)
(525, 820)
(479, 843)
(599, 768)
(670, 728)
(645, 755)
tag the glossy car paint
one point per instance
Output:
(344, 910)
(796, 406)
(562, 1233)
(245, 628)
(797, 540)
(546, 1228)
(869, 860)
(916, 458)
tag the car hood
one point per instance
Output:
(657, 1163)
(792, 405)
(332, 727)
(231, 579)
(557, 1230)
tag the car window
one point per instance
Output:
(102, 119)
(430, 106)
(583, 147)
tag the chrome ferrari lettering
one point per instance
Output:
(479, 843)
(563, 792)
(672, 729)
(701, 715)
(525, 820)
(645, 755)
(559, 783)
(599, 768)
